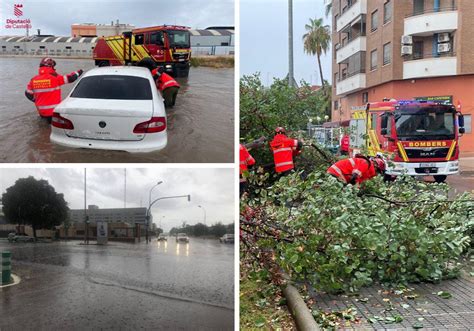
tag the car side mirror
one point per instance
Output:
(462, 130)
(461, 120)
(383, 132)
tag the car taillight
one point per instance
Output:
(60, 122)
(156, 124)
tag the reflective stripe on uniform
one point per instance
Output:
(243, 162)
(29, 91)
(167, 83)
(41, 90)
(47, 107)
(284, 149)
(351, 160)
(338, 171)
(281, 164)
(296, 142)
(248, 159)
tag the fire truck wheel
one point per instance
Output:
(104, 64)
(389, 178)
(440, 178)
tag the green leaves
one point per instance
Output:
(444, 295)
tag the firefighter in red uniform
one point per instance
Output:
(167, 85)
(357, 169)
(284, 149)
(344, 147)
(44, 89)
(246, 161)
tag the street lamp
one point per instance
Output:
(148, 215)
(204, 213)
(188, 196)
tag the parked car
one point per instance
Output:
(13, 237)
(162, 238)
(228, 238)
(182, 237)
(112, 108)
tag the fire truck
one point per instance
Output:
(418, 138)
(168, 45)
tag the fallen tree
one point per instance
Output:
(340, 238)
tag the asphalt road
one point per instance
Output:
(120, 286)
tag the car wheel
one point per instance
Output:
(104, 64)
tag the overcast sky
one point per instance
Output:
(56, 16)
(211, 188)
(264, 39)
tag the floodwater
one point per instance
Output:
(68, 285)
(200, 126)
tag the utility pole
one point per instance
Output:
(291, 76)
(125, 189)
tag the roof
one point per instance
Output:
(119, 70)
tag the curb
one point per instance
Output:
(300, 312)
(16, 281)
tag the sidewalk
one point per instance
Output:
(420, 306)
(467, 162)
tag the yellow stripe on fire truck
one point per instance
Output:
(451, 151)
(402, 151)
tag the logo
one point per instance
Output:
(102, 124)
(17, 10)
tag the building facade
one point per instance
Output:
(111, 215)
(403, 49)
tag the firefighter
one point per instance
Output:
(167, 85)
(284, 149)
(44, 89)
(357, 169)
(164, 82)
(344, 145)
(246, 161)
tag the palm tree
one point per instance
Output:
(317, 40)
(328, 9)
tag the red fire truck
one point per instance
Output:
(168, 45)
(418, 138)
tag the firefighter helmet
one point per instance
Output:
(47, 62)
(280, 130)
(379, 165)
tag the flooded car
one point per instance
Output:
(112, 108)
(227, 238)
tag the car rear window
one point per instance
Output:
(113, 87)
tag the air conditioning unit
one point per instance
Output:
(407, 50)
(407, 40)
(443, 37)
(444, 48)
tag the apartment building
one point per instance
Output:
(403, 49)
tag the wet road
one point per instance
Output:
(200, 126)
(120, 286)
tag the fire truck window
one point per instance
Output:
(373, 124)
(156, 38)
(139, 39)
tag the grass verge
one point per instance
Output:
(217, 62)
(261, 303)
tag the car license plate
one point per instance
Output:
(427, 165)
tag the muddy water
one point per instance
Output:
(200, 126)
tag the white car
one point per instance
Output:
(182, 237)
(113, 108)
(227, 238)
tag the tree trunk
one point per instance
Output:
(320, 69)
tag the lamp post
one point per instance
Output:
(204, 213)
(188, 196)
(148, 212)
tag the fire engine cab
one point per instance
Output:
(418, 138)
(168, 45)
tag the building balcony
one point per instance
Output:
(421, 66)
(358, 44)
(431, 21)
(358, 8)
(351, 83)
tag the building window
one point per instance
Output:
(468, 123)
(336, 77)
(365, 97)
(336, 105)
(373, 60)
(374, 20)
(387, 12)
(387, 53)
(68, 47)
(16, 46)
(42, 47)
